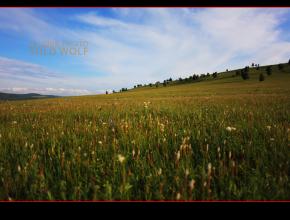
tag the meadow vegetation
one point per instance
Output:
(223, 138)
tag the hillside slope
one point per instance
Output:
(219, 139)
(10, 96)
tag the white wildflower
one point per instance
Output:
(100, 142)
(191, 184)
(230, 129)
(178, 155)
(121, 158)
(159, 172)
(233, 164)
(178, 196)
(209, 166)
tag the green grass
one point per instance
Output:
(175, 140)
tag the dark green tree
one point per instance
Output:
(261, 77)
(280, 67)
(245, 74)
(269, 70)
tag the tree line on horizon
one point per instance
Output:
(244, 73)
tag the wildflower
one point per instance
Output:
(14, 122)
(191, 184)
(178, 196)
(218, 149)
(162, 126)
(272, 139)
(178, 155)
(159, 172)
(100, 142)
(230, 155)
(146, 104)
(85, 154)
(233, 164)
(19, 168)
(133, 152)
(186, 172)
(121, 158)
(79, 148)
(268, 127)
(209, 168)
(230, 129)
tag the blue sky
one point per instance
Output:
(128, 46)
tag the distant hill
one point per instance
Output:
(10, 96)
(225, 76)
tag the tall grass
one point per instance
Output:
(139, 146)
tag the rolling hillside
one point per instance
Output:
(10, 96)
(218, 139)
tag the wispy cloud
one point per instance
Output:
(129, 46)
(23, 77)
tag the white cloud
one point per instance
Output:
(23, 77)
(49, 91)
(172, 42)
(146, 45)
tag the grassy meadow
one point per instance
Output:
(219, 139)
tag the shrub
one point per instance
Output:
(269, 70)
(245, 73)
(261, 77)
(280, 67)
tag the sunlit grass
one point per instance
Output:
(206, 141)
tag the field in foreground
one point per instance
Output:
(222, 139)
